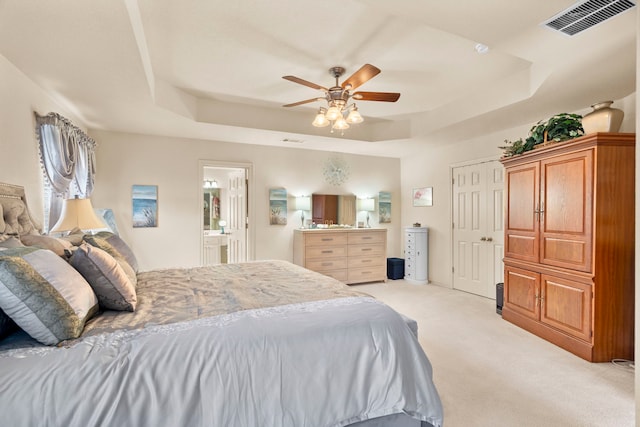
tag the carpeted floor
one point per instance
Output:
(491, 373)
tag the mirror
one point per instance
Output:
(333, 209)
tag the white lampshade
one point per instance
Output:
(333, 113)
(366, 205)
(222, 223)
(303, 203)
(354, 116)
(341, 124)
(77, 213)
(320, 121)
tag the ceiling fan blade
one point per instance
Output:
(306, 101)
(365, 73)
(376, 96)
(304, 82)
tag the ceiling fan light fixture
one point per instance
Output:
(321, 120)
(333, 113)
(354, 116)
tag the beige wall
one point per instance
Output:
(19, 163)
(172, 163)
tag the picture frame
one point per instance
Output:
(384, 207)
(144, 200)
(423, 196)
(277, 206)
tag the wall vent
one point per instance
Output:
(295, 141)
(586, 14)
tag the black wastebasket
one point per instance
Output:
(499, 297)
(395, 268)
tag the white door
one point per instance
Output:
(237, 217)
(478, 227)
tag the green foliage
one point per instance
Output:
(561, 127)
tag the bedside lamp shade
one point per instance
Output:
(77, 213)
(303, 203)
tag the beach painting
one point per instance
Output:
(384, 207)
(145, 205)
(277, 206)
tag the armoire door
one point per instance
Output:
(522, 220)
(478, 227)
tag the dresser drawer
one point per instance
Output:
(313, 252)
(364, 274)
(366, 250)
(340, 275)
(361, 237)
(326, 264)
(364, 261)
(326, 239)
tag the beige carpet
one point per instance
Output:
(491, 373)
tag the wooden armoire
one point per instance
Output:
(569, 244)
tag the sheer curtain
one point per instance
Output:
(67, 156)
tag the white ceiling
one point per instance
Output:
(213, 69)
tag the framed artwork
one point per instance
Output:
(384, 207)
(423, 196)
(277, 206)
(145, 205)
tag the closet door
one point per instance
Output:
(478, 228)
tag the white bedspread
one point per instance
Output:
(289, 365)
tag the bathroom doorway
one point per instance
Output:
(226, 235)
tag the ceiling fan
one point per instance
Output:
(338, 96)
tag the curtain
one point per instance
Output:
(67, 156)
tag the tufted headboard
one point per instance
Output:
(15, 217)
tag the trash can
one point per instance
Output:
(395, 268)
(499, 297)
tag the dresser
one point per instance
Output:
(569, 244)
(416, 255)
(349, 255)
(214, 249)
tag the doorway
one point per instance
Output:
(226, 235)
(478, 227)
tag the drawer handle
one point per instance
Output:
(366, 260)
(367, 238)
(327, 252)
(366, 272)
(366, 249)
(327, 264)
(327, 239)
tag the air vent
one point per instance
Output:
(295, 141)
(586, 14)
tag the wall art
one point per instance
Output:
(277, 206)
(145, 205)
(423, 196)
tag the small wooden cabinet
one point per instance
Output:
(349, 255)
(569, 244)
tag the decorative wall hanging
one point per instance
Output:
(335, 171)
(423, 196)
(145, 205)
(384, 207)
(277, 206)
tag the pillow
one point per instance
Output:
(107, 277)
(114, 245)
(6, 325)
(7, 241)
(55, 245)
(44, 295)
(74, 237)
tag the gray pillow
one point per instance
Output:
(114, 245)
(44, 295)
(107, 277)
(54, 244)
(7, 241)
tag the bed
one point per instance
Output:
(264, 343)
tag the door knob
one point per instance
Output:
(483, 239)
(489, 239)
